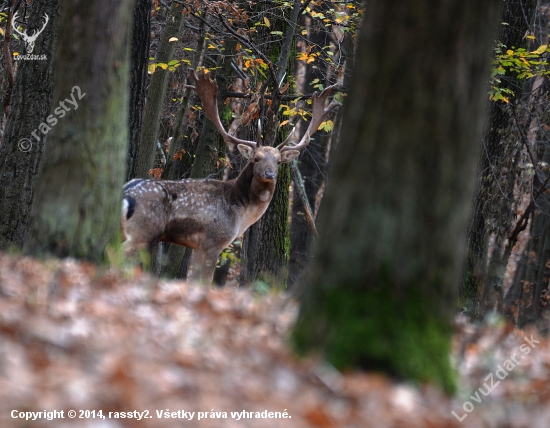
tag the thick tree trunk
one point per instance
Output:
(141, 35)
(381, 291)
(76, 210)
(23, 142)
(266, 244)
(490, 207)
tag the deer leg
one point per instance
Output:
(203, 263)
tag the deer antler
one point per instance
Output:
(207, 90)
(319, 113)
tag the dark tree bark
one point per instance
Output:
(313, 165)
(266, 244)
(76, 210)
(381, 291)
(157, 92)
(23, 142)
(523, 299)
(141, 35)
(490, 205)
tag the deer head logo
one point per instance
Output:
(29, 40)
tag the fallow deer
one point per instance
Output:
(205, 214)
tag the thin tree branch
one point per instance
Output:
(301, 192)
(7, 53)
(524, 219)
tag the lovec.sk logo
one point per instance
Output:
(29, 40)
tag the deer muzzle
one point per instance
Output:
(269, 175)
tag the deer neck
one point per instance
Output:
(252, 191)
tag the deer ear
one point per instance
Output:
(289, 155)
(247, 152)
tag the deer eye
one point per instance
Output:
(256, 159)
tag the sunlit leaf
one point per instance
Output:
(326, 126)
(541, 49)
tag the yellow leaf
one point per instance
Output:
(283, 123)
(326, 126)
(509, 52)
(15, 53)
(304, 32)
(163, 65)
(541, 49)
(151, 69)
(172, 39)
(267, 23)
(1, 31)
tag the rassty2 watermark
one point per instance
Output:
(65, 106)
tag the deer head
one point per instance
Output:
(29, 40)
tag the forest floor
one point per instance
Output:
(77, 337)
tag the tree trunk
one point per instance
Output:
(157, 92)
(490, 207)
(381, 291)
(76, 211)
(523, 300)
(23, 142)
(141, 35)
